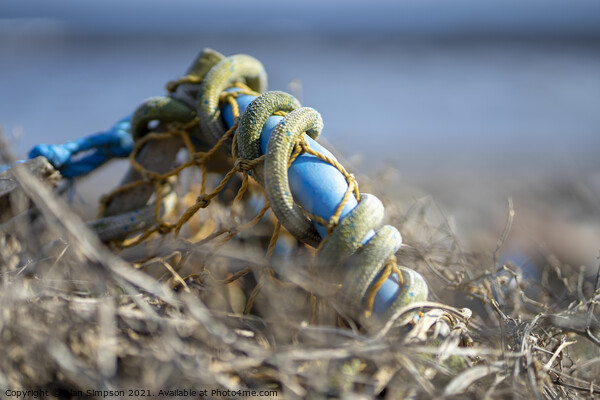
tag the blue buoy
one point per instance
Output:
(318, 187)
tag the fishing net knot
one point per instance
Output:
(203, 200)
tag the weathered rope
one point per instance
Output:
(348, 249)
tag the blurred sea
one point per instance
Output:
(417, 104)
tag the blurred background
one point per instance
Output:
(470, 102)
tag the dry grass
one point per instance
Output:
(75, 316)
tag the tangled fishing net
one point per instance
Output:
(207, 301)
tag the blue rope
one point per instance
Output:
(84, 155)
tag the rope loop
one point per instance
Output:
(252, 121)
(279, 151)
(238, 68)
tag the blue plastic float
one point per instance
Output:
(318, 187)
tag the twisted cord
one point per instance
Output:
(94, 150)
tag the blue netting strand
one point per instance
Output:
(84, 155)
